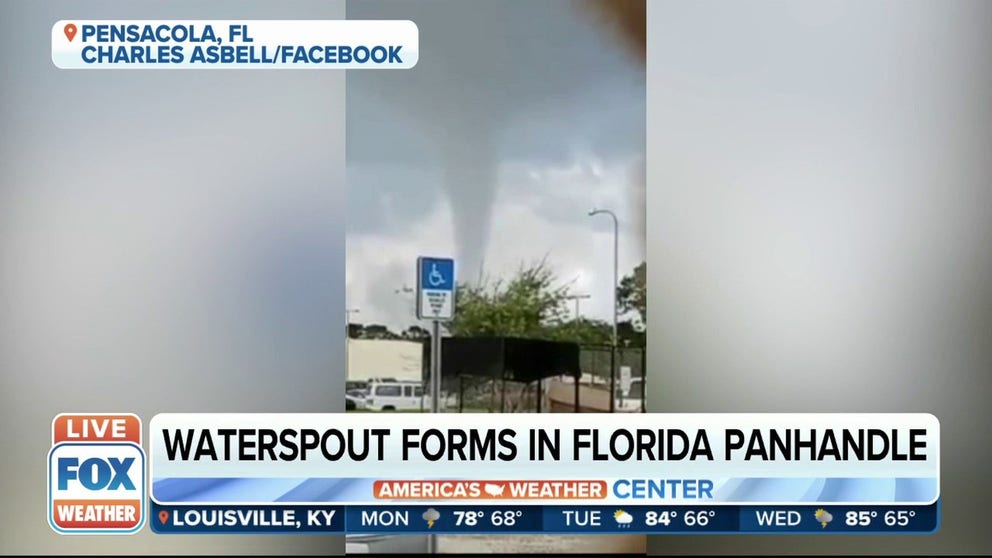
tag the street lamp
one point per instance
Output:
(347, 338)
(613, 297)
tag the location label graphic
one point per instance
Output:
(70, 31)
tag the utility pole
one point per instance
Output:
(408, 291)
(577, 298)
(347, 339)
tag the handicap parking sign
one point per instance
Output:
(435, 288)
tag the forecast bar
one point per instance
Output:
(599, 520)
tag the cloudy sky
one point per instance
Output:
(519, 118)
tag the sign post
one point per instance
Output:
(435, 302)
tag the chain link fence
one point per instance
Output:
(596, 361)
(479, 394)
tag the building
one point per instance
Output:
(381, 358)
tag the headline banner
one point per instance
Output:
(235, 44)
(731, 459)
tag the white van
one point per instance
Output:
(397, 395)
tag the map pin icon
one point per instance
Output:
(163, 516)
(70, 33)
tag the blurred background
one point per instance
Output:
(169, 241)
(819, 229)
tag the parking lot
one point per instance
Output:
(542, 544)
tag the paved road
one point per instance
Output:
(542, 544)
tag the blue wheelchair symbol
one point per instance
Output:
(437, 274)
(434, 278)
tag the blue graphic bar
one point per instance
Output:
(488, 519)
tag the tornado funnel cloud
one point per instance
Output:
(470, 185)
(496, 82)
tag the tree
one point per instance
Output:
(632, 295)
(415, 333)
(355, 331)
(531, 304)
(534, 304)
(372, 331)
(583, 331)
(631, 334)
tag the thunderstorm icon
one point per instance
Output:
(430, 516)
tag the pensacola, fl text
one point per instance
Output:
(243, 54)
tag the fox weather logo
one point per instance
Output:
(96, 474)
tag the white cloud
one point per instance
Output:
(538, 212)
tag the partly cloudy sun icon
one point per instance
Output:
(623, 518)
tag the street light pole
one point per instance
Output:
(347, 339)
(577, 298)
(616, 280)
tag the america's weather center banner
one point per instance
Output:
(241, 44)
(514, 473)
